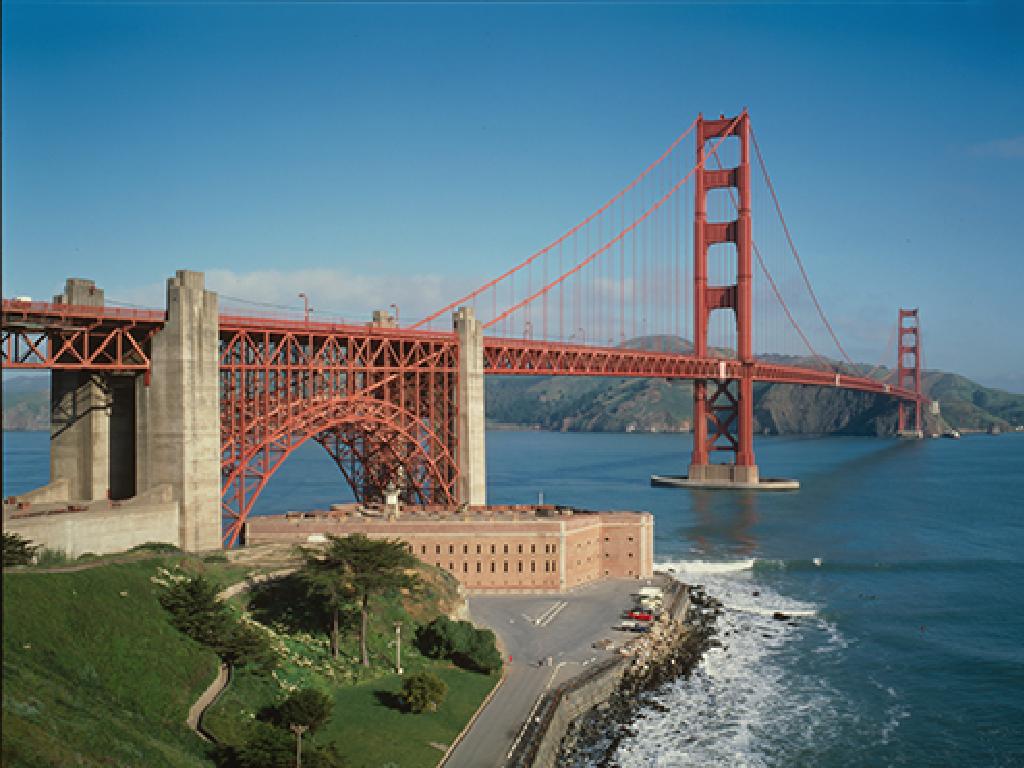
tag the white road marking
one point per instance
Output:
(549, 615)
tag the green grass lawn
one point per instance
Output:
(368, 727)
(93, 673)
(372, 734)
(369, 730)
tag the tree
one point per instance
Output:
(17, 550)
(196, 612)
(423, 692)
(266, 747)
(362, 568)
(326, 575)
(306, 706)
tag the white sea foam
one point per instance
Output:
(743, 705)
(707, 566)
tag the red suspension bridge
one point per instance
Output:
(631, 291)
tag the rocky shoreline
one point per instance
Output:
(673, 649)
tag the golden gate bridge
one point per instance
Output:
(689, 272)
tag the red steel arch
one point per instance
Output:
(428, 468)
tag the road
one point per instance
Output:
(532, 628)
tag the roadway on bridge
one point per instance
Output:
(532, 628)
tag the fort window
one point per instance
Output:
(478, 567)
(478, 549)
(437, 549)
(465, 549)
(506, 549)
(520, 549)
(451, 566)
(533, 549)
(506, 566)
(547, 566)
(533, 566)
(423, 549)
(554, 548)
(520, 566)
(492, 567)
(630, 538)
(451, 549)
(465, 567)
(437, 565)
(630, 554)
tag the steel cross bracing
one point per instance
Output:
(59, 336)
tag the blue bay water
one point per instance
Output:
(906, 646)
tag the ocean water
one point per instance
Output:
(900, 563)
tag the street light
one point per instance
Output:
(298, 730)
(305, 302)
(398, 646)
(395, 307)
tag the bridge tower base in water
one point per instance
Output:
(723, 408)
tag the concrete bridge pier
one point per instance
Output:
(470, 421)
(178, 413)
(92, 440)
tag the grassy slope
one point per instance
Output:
(92, 678)
(366, 726)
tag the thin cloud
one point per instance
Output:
(1011, 148)
(334, 294)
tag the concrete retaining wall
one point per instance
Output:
(100, 528)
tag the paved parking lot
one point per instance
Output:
(531, 629)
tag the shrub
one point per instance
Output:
(481, 655)
(216, 557)
(460, 641)
(423, 692)
(159, 547)
(48, 557)
(17, 550)
(306, 706)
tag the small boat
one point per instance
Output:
(952, 434)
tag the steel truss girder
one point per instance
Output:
(382, 403)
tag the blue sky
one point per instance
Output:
(377, 153)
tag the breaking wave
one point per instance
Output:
(752, 701)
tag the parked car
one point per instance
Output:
(641, 616)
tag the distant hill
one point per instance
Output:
(26, 403)
(593, 404)
(655, 405)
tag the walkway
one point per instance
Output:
(533, 628)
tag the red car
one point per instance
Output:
(640, 616)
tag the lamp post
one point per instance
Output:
(298, 730)
(395, 307)
(305, 304)
(398, 647)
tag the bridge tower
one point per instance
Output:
(723, 408)
(908, 370)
